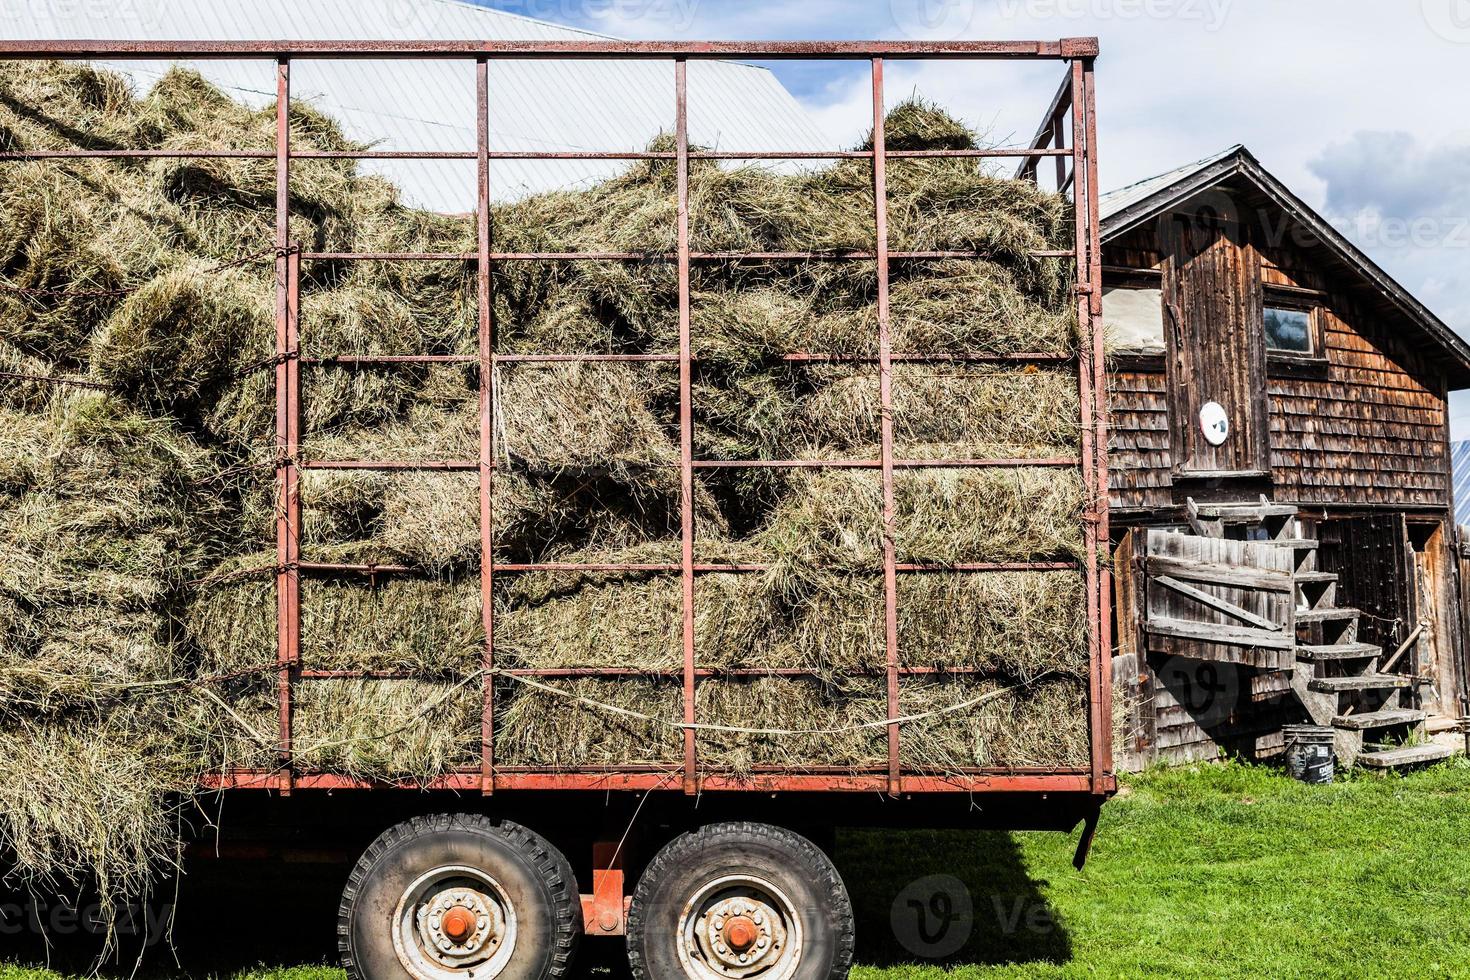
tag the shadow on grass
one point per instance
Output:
(941, 897)
(947, 897)
(228, 917)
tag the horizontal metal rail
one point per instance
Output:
(671, 673)
(800, 357)
(673, 257)
(716, 464)
(1067, 48)
(708, 568)
(567, 155)
(647, 779)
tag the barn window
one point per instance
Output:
(1289, 330)
(1133, 316)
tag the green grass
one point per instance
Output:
(1210, 871)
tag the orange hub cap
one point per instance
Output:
(458, 924)
(740, 933)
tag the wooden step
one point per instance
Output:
(1314, 578)
(1378, 719)
(1333, 613)
(1363, 682)
(1245, 512)
(1412, 755)
(1338, 651)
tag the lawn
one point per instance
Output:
(1212, 871)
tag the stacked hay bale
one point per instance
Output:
(151, 625)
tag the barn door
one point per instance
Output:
(1373, 563)
(1215, 342)
(1219, 600)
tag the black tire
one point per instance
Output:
(536, 878)
(692, 861)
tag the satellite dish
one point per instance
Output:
(1214, 423)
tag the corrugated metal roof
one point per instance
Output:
(1460, 462)
(1121, 199)
(429, 105)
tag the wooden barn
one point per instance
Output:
(1281, 480)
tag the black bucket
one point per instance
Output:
(1310, 753)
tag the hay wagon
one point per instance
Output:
(500, 867)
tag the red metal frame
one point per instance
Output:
(1073, 109)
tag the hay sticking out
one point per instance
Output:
(1039, 724)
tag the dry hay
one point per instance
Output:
(137, 604)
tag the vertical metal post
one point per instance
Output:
(288, 511)
(487, 429)
(885, 396)
(1102, 761)
(1059, 142)
(686, 418)
(1091, 384)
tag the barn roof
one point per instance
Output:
(430, 105)
(1236, 169)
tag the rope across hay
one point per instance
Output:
(137, 502)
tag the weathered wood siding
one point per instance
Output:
(1214, 343)
(1365, 424)
(1373, 428)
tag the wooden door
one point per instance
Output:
(1371, 558)
(1219, 600)
(1215, 341)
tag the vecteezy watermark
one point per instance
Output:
(1208, 691)
(1450, 19)
(1208, 14)
(62, 918)
(935, 20)
(933, 917)
(666, 15)
(949, 20)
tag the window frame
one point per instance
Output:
(1282, 299)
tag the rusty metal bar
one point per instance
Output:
(288, 582)
(670, 674)
(594, 358)
(608, 50)
(1102, 729)
(652, 779)
(432, 155)
(1022, 358)
(686, 419)
(885, 397)
(874, 464)
(1044, 133)
(369, 360)
(486, 314)
(715, 568)
(1089, 398)
(389, 464)
(789, 256)
(799, 357)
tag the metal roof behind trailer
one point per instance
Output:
(536, 105)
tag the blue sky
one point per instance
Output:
(1356, 104)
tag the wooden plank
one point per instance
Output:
(1228, 608)
(1238, 636)
(1265, 579)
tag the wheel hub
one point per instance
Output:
(454, 923)
(457, 924)
(737, 929)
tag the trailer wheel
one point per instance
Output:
(457, 895)
(740, 901)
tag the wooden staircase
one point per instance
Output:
(1340, 681)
